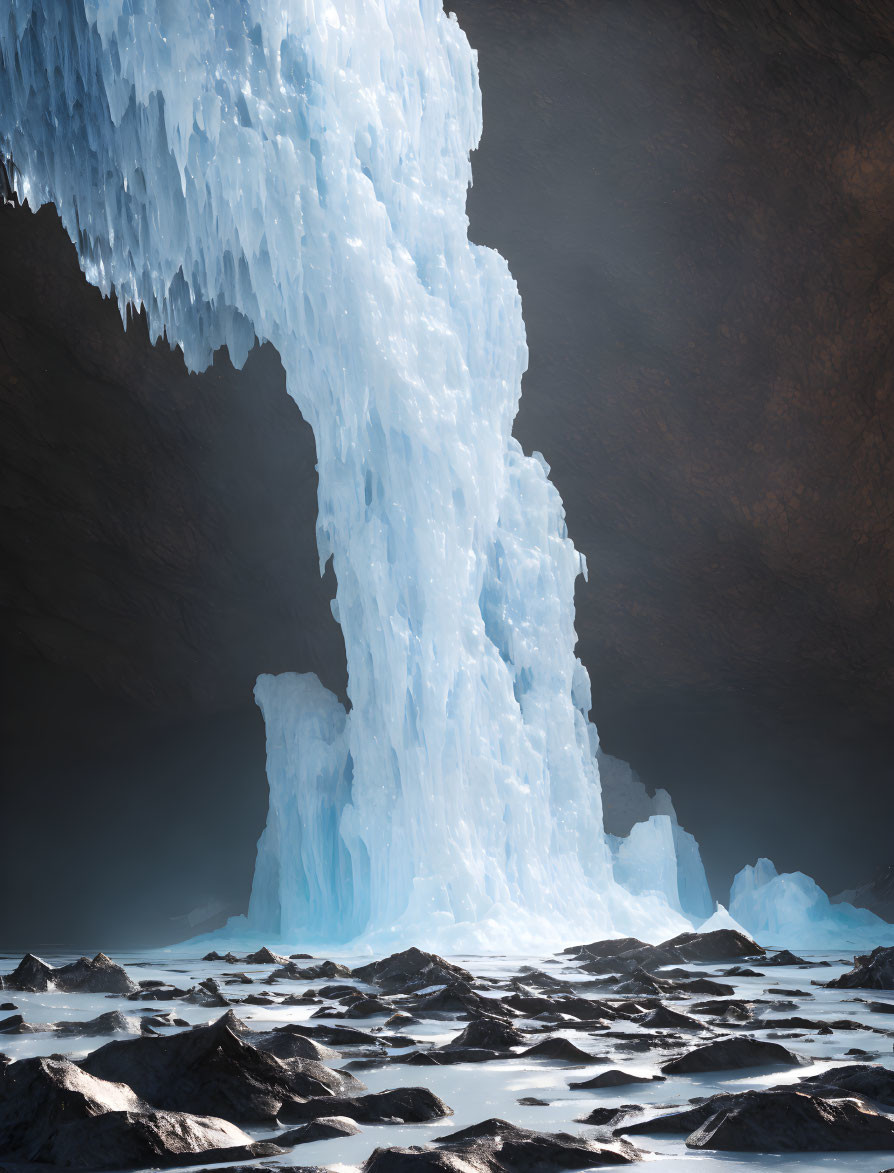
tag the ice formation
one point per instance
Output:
(793, 911)
(658, 856)
(298, 172)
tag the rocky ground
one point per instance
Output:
(610, 1053)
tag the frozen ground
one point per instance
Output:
(476, 1091)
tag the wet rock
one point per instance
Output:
(783, 1120)
(286, 1044)
(727, 1054)
(405, 1105)
(111, 1023)
(489, 1033)
(99, 975)
(53, 1112)
(31, 974)
(532, 1102)
(875, 1007)
(446, 1057)
(666, 1019)
(865, 1079)
(706, 986)
(457, 1000)
(720, 945)
(724, 1008)
(784, 957)
(400, 1018)
(875, 972)
(495, 1146)
(323, 1128)
(262, 956)
(118, 1140)
(409, 971)
(311, 973)
(368, 1008)
(560, 1049)
(212, 1071)
(741, 971)
(16, 1025)
(614, 1078)
(605, 1117)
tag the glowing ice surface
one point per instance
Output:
(298, 172)
(793, 911)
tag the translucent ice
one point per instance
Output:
(297, 170)
(791, 910)
(659, 857)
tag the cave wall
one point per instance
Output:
(695, 200)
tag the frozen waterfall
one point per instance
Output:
(297, 171)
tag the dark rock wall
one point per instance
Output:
(696, 201)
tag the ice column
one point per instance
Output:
(297, 171)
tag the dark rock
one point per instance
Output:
(727, 1054)
(111, 1023)
(449, 1056)
(99, 975)
(866, 1079)
(262, 956)
(561, 1049)
(706, 986)
(30, 974)
(368, 1008)
(118, 1140)
(490, 1033)
(784, 957)
(405, 1105)
(666, 1019)
(456, 999)
(495, 1146)
(311, 973)
(323, 1128)
(720, 945)
(411, 970)
(301, 956)
(794, 1121)
(608, 948)
(741, 971)
(53, 1112)
(604, 1117)
(875, 1007)
(724, 1008)
(16, 1025)
(614, 1078)
(8, 1005)
(212, 1071)
(286, 1044)
(875, 972)
(532, 1102)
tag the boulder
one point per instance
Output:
(52, 1112)
(323, 1128)
(111, 1023)
(784, 957)
(875, 972)
(495, 1146)
(706, 986)
(262, 956)
(287, 1044)
(99, 975)
(720, 945)
(613, 1078)
(411, 970)
(727, 1054)
(489, 1033)
(792, 1120)
(404, 1105)
(560, 1049)
(866, 1079)
(666, 1019)
(212, 1071)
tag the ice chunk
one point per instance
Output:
(659, 857)
(792, 911)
